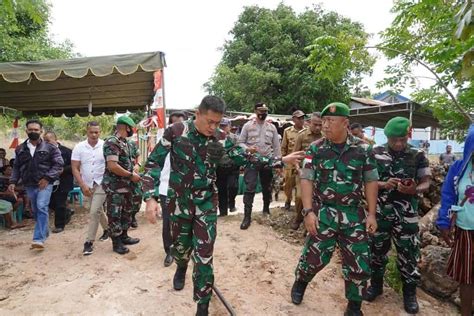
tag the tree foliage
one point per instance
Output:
(279, 57)
(465, 28)
(425, 30)
(24, 32)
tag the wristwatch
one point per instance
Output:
(306, 211)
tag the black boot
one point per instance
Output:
(266, 208)
(247, 219)
(179, 278)
(409, 298)
(297, 291)
(127, 240)
(202, 309)
(118, 246)
(248, 202)
(375, 289)
(353, 309)
(134, 223)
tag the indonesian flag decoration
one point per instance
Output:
(158, 103)
(14, 134)
(373, 131)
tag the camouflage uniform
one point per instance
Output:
(227, 180)
(117, 188)
(137, 192)
(397, 213)
(339, 175)
(303, 141)
(287, 147)
(193, 197)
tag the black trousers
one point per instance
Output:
(250, 178)
(227, 183)
(166, 232)
(62, 214)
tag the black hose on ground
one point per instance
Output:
(222, 299)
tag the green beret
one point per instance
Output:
(397, 127)
(124, 119)
(335, 109)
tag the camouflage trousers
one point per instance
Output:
(136, 202)
(193, 237)
(398, 222)
(119, 212)
(352, 239)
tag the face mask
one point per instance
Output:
(262, 116)
(33, 136)
(129, 133)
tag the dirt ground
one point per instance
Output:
(253, 269)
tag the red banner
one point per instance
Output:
(14, 143)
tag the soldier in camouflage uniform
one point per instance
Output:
(335, 171)
(137, 192)
(227, 173)
(195, 148)
(288, 146)
(118, 177)
(404, 172)
(304, 139)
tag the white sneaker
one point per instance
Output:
(37, 245)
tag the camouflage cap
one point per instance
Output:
(126, 120)
(335, 109)
(397, 127)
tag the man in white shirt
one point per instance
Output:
(164, 201)
(88, 165)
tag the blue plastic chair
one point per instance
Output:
(76, 190)
(18, 214)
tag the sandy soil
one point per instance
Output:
(253, 269)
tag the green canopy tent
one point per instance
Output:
(89, 85)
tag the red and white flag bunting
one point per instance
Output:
(158, 103)
(14, 134)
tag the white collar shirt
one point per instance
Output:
(92, 161)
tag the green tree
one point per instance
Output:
(424, 30)
(275, 56)
(24, 32)
(464, 30)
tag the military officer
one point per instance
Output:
(404, 173)
(335, 171)
(116, 183)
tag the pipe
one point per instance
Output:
(222, 299)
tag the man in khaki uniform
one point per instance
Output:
(304, 139)
(287, 147)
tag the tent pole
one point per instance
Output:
(163, 84)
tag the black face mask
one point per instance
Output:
(262, 116)
(33, 136)
(129, 133)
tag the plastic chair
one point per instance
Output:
(76, 190)
(18, 214)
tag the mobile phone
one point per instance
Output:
(407, 182)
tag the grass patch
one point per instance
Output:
(392, 275)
